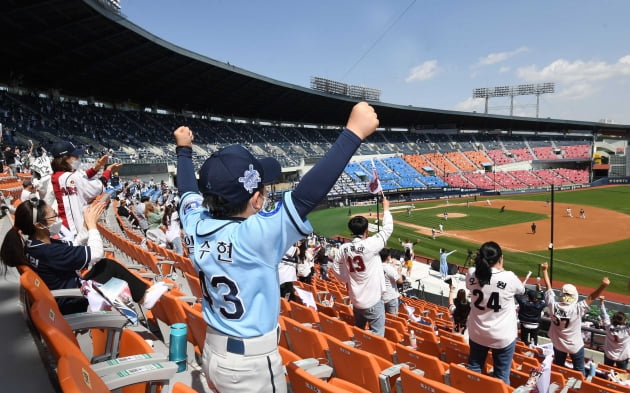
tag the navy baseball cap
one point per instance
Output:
(235, 174)
(65, 148)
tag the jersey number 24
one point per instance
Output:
(493, 301)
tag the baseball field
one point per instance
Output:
(585, 249)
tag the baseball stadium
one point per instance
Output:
(547, 190)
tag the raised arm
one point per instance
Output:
(186, 181)
(451, 295)
(598, 291)
(603, 313)
(320, 179)
(544, 267)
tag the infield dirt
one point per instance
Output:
(600, 226)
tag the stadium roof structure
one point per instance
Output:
(82, 48)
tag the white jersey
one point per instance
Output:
(617, 344)
(391, 287)
(565, 330)
(305, 265)
(492, 320)
(286, 269)
(173, 231)
(74, 190)
(358, 263)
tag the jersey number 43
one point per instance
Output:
(355, 263)
(230, 304)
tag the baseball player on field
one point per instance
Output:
(358, 264)
(236, 243)
(565, 330)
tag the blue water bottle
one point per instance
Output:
(177, 346)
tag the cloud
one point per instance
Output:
(423, 72)
(504, 69)
(564, 71)
(577, 91)
(493, 58)
(469, 105)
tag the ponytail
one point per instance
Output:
(488, 255)
(12, 251)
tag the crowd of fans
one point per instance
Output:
(61, 204)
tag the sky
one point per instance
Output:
(428, 54)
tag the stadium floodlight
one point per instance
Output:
(511, 91)
(343, 89)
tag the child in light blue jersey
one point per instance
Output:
(236, 244)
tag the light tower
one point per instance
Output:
(511, 91)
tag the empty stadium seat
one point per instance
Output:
(359, 367)
(474, 382)
(411, 381)
(432, 367)
(303, 382)
(335, 327)
(305, 341)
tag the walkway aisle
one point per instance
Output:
(21, 368)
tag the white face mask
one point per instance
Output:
(267, 204)
(76, 164)
(55, 228)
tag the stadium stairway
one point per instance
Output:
(22, 368)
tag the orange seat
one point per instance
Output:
(303, 314)
(432, 366)
(304, 382)
(196, 327)
(357, 366)
(374, 344)
(474, 382)
(194, 285)
(454, 351)
(398, 323)
(567, 372)
(453, 336)
(413, 382)
(76, 376)
(606, 386)
(393, 336)
(428, 346)
(131, 343)
(335, 327)
(35, 288)
(304, 341)
(525, 361)
(519, 378)
(287, 356)
(285, 307)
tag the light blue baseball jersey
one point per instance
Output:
(237, 261)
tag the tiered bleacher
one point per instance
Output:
(415, 162)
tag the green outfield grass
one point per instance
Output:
(583, 266)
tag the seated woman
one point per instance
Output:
(58, 262)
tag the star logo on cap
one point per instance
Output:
(250, 179)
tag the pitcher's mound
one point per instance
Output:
(453, 215)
